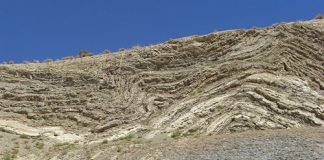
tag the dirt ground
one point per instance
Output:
(299, 143)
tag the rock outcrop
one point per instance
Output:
(223, 82)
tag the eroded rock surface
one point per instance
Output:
(223, 82)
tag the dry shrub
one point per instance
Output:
(106, 51)
(68, 58)
(121, 49)
(48, 60)
(320, 16)
(84, 54)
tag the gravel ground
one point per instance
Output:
(284, 147)
(303, 143)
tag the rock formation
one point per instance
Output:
(223, 82)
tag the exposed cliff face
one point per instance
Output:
(222, 82)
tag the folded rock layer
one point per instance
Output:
(229, 81)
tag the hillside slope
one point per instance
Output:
(223, 82)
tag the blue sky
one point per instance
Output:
(40, 29)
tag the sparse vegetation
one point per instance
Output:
(64, 152)
(83, 124)
(211, 65)
(121, 49)
(64, 146)
(106, 51)
(48, 60)
(84, 54)
(118, 149)
(320, 16)
(176, 134)
(39, 145)
(27, 147)
(17, 145)
(2, 129)
(128, 137)
(105, 141)
(14, 152)
(7, 156)
(23, 136)
(68, 58)
(200, 90)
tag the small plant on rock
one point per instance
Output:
(48, 60)
(39, 145)
(23, 136)
(128, 137)
(7, 157)
(320, 16)
(106, 51)
(105, 141)
(121, 49)
(84, 54)
(176, 134)
(118, 149)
